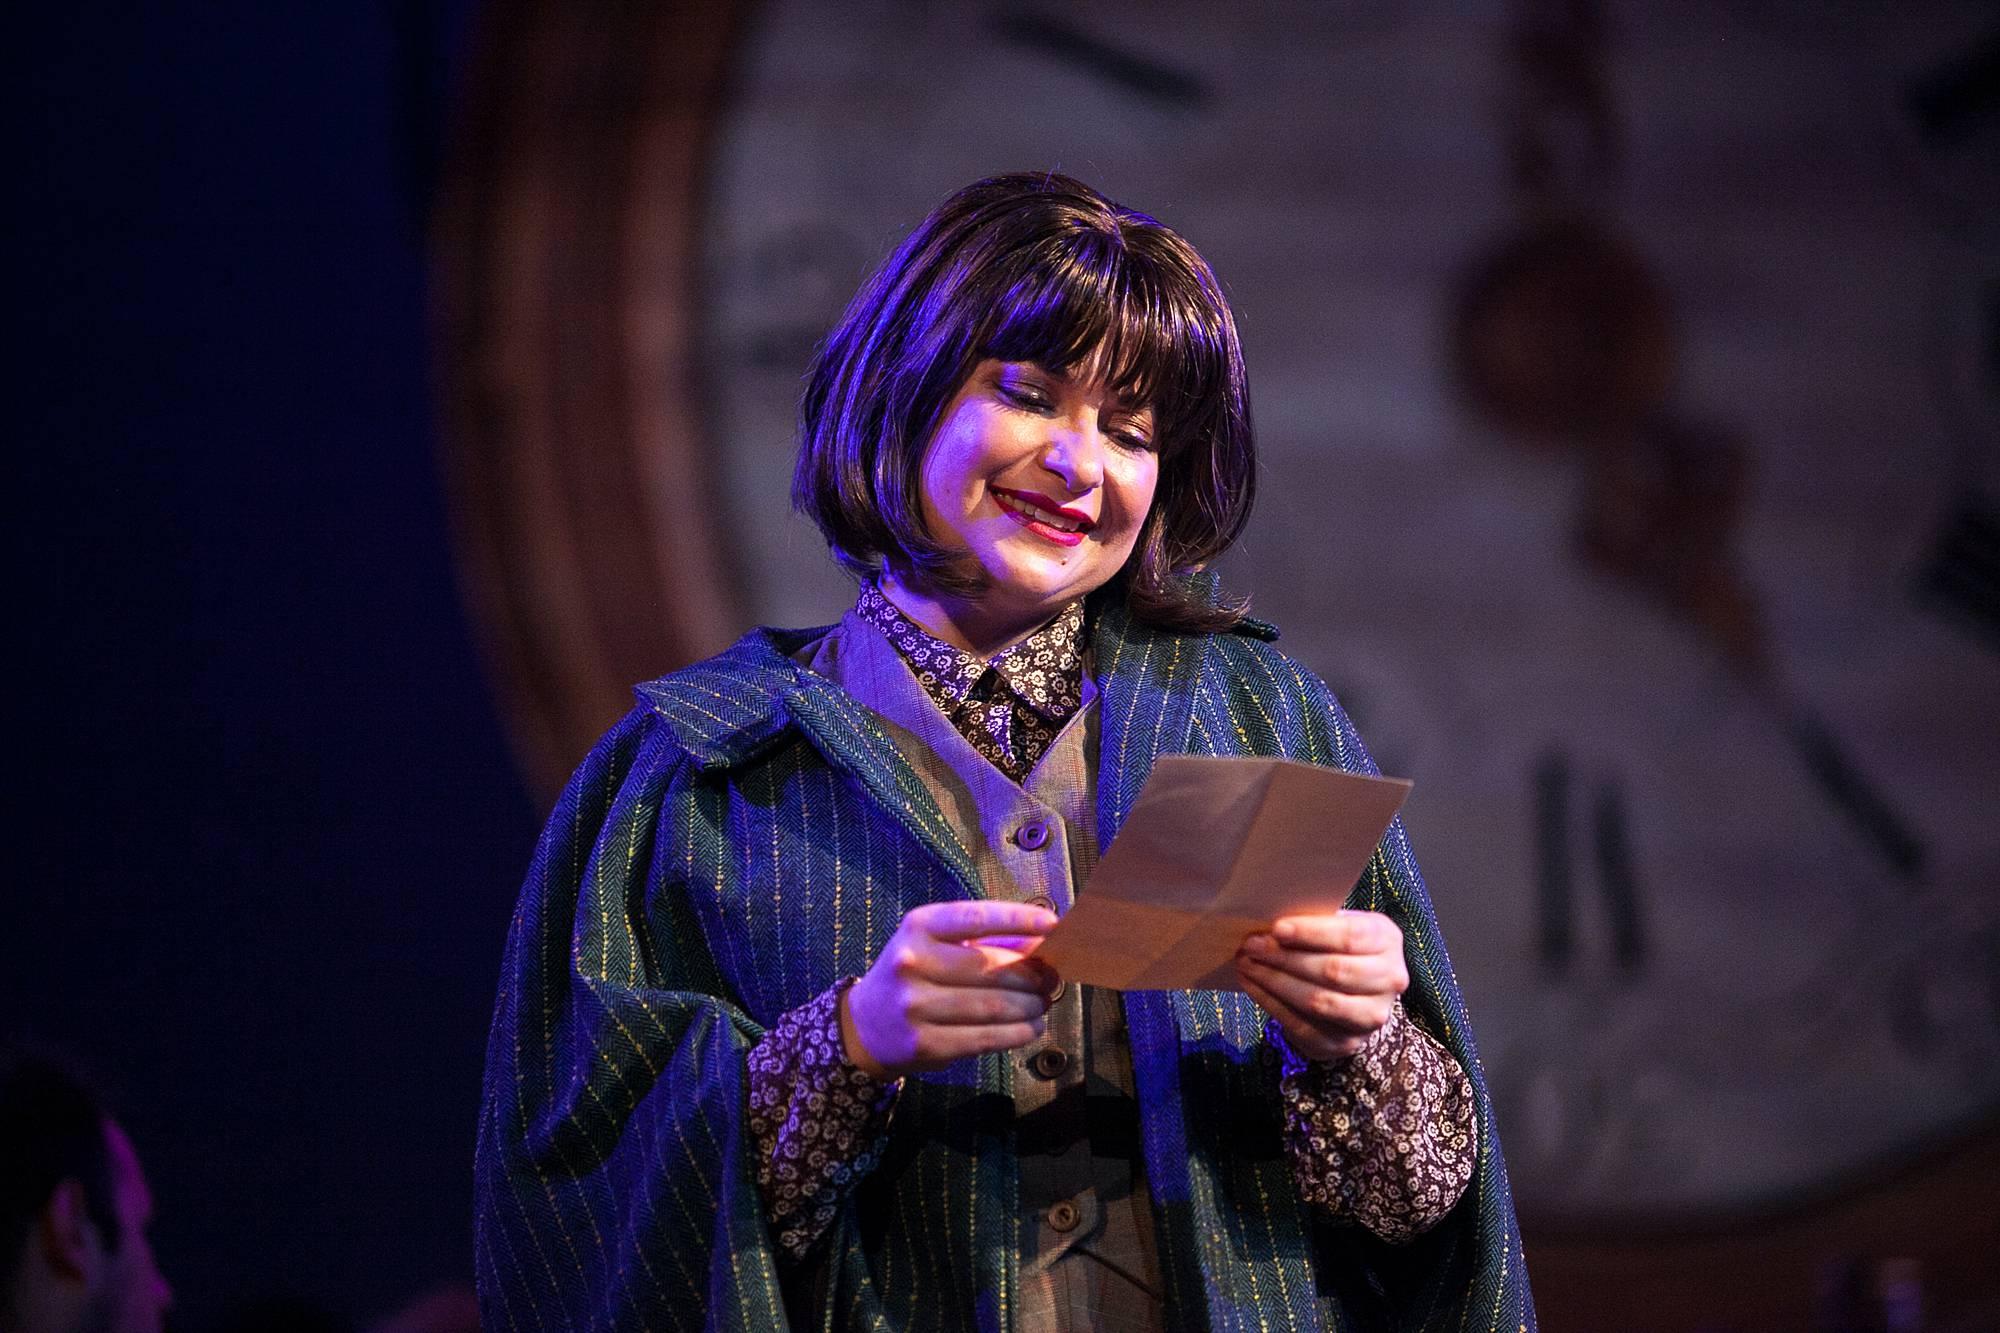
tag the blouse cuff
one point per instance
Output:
(820, 1123)
(1384, 1137)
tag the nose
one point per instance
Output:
(1076, 454)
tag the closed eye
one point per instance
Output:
(1023, 396)
(1028, 396)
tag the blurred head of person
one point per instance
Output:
(74, 1210)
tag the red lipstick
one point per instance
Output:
(1040, 501)
(1028, 508)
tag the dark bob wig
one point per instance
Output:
(1037, 268)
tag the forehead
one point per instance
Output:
(128, 1179)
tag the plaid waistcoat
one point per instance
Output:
(745, 837)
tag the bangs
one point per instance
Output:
(1154, 327)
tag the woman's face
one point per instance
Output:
(1044, 479)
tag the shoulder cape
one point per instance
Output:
(746, 836)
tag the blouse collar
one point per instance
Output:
(1044, 671)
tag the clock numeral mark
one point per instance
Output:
(1617, 879)
(1842, 782)
(1552, 845)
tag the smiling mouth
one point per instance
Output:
(1042, 514)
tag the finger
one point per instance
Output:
(974, 965)
(1346, 931)
(1018, 945)
(1329, 1011)
(974, 1006)
(969, 919)
(1017, 966)
(1353, 974)
(1306, 1039)
(1289, 1017)
(997, 952)
(940, 1046)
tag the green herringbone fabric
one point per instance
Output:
(747, 836)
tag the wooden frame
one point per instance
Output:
(567, 256)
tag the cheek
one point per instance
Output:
(941, 505)
(950, 473)
(1136, 493)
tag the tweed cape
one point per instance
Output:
(748, 835)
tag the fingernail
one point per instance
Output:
(1286, 930)
(1261, 944)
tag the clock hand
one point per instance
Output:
(1115, 65)
(1963, 574)
(1667, 530)
(1949, 102)
(1844, 784)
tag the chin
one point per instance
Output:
(1034, 585)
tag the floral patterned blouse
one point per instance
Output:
(1384, 1137)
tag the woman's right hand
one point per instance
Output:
(945, 987)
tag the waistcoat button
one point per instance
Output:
(1064, 1216)
(1049, 1062)
(1032, 836)
(1043, 901)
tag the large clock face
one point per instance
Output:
(1725, 943)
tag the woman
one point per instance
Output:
(771, 1044)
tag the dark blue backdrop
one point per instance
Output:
(267, 828)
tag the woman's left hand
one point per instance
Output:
(1329, 979)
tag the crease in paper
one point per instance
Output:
(1216, 849)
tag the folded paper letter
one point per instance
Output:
(1216, 849)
